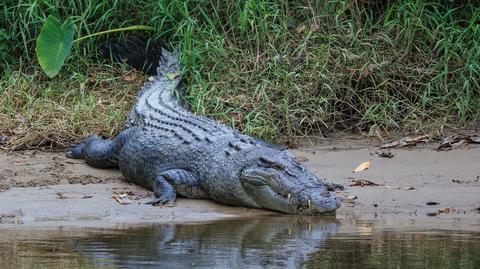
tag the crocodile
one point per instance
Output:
(173, 152)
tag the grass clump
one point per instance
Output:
(275, 69)
(36, 113)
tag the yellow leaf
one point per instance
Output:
(122, 199)
(173, 75)
(362, 166)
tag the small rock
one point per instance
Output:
(61, 195)
(382, 153)
(362, 183)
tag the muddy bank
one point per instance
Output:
(406, 182)
(33, 168)
(46, 189)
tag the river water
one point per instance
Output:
(268, 242)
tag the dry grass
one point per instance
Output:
(36, 112)
(274, 69)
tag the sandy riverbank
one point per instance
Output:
(42, 188)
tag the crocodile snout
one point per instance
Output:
(316, 201)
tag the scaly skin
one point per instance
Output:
(173, 152)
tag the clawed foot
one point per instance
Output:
(165, 201)
(333, 186)
(76, 151)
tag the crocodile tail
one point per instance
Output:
(162, 89)
(169, 67)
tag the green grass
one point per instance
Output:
(274, 69)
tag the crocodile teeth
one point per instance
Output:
(289, 196)
(309, 203)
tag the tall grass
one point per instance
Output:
(279, 69)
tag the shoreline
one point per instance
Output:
(48, 190)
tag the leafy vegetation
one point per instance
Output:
(54, 44)
(275, 69)
(55, 41)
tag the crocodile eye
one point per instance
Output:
(266, 162)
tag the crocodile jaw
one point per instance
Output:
(311, 201)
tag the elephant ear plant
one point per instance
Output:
(55, 42)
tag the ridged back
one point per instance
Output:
(158, 108)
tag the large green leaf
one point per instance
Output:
(54, 44)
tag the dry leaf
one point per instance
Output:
(61, 195)
(237, 117)
(173, 75)
(300, 29)
(457, 141)
(466, 181)
(361, 167)
(130, 77)
(314, 27)
(122, 198)
(446, 210)
(350, 55)
(407, 141)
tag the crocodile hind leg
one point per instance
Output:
(99, 152)
(171, 182)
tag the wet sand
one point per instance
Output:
(44, 189)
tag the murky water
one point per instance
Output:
(275, 242)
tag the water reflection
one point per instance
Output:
(280, 242)
(260, 243)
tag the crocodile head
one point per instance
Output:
(279, 182)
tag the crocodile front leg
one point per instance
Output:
(171, 182)
(163, 191)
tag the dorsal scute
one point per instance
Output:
(158, 108)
